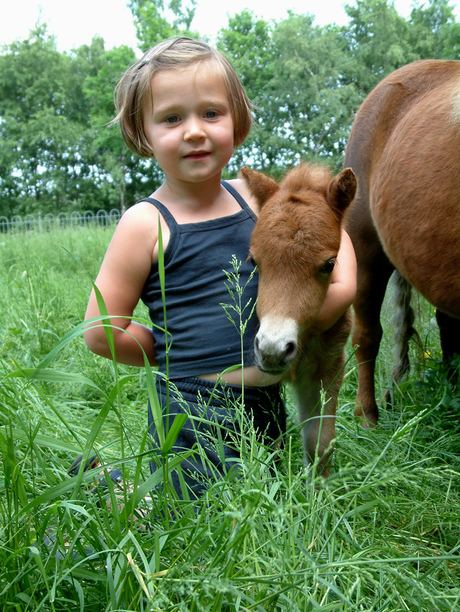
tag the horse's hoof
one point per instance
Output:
(367, 424)
(368, 420)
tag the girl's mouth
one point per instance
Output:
(197, 155)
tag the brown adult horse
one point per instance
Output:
(405, 150)
(294, 244)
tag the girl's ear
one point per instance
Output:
(262, 187)
(342, 190)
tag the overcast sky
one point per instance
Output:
(76, 23)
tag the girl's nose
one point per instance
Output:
(194, 129)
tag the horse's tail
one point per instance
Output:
(403, 319)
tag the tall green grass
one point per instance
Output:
(382, 534)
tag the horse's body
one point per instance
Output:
(404, 148)
(294, 244)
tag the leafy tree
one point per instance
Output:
(60, 151)
(155, 22)
(316, 102)
(434, 33)
(293, 72)
(247, 43)
(378, 40)
(42, 157)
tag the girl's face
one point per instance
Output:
(188, 123)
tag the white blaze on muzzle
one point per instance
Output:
(276, 342)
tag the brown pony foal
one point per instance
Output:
(294, 245)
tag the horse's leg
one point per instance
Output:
(318, 416)
(374, 271)
(449, 331)
(318, 425)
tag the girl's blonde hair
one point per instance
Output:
(135, 86)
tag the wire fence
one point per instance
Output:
(48, 222)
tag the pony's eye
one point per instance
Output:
(328, 267)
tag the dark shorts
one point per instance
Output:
(216, 424)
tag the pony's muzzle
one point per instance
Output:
(275, 345)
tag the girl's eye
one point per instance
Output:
(211, 114)
(172, 119)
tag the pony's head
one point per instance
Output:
(294, 245)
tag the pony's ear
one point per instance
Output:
(262, 187)
(342, 189)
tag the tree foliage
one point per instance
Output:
(434, 32)
(41, 113)
(60, 151)
(156, 21)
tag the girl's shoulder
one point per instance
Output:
(141, 210)
(138, 229)
(138, 226)
(140, 217)
(242, 188)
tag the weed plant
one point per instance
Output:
(382, 534)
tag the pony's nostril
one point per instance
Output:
(290, 351)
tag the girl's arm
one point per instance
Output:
(124, 270)
(342, 290)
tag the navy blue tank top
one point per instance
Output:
(202, 338)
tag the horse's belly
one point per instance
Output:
(415, 202)
(421, 236)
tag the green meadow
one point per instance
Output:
(382, 534)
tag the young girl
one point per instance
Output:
(183, 104)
